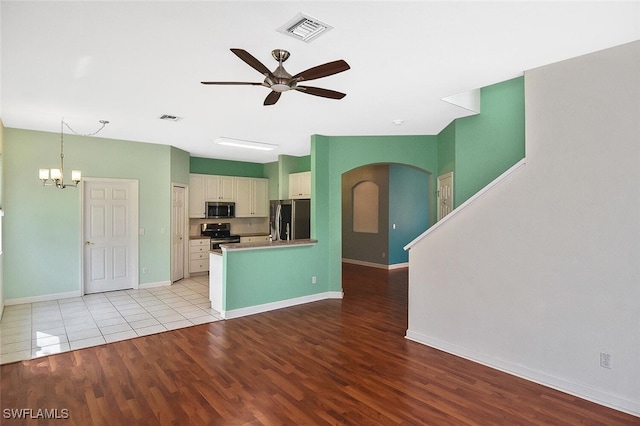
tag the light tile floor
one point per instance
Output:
(37, 329)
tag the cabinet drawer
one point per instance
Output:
(199, 265)
(199, 242)
(199, 255)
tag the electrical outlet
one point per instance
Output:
(605, 360)
(313, 280)
(145, 270)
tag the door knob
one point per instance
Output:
(88, 243)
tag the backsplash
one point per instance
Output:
(239, 226)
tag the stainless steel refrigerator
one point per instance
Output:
(290, 219)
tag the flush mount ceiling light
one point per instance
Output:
(239, 143)
(305, 28)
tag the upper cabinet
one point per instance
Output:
(252, 197)
(197, 185)
(300, 185)
(249, 194)
(220, 188)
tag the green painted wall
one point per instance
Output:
(447, 150)
(179, 166)
(332, 156)
(274, 275)
(289, 164)
(489, 143)
(211, 166)
(43, 224)
(271, 172)
(278, 174)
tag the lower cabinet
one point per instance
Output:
(199, 255)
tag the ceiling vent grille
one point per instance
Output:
(304, 28)
(168, 117)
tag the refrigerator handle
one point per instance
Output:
(278, 221)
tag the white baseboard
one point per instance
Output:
(257, 309)
(156, 284)
(376, 265)
(43, 298)
(573, 388)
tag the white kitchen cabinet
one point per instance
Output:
(219, 188)
(197, 185)
(199, 255)
(300, 185)
(256, 239)
(251, 197)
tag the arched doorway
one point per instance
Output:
(384, 207)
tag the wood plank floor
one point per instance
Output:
(328, 362)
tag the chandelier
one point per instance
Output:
(55, 177)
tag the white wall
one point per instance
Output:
(542, 273)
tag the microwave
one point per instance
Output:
(220, 210)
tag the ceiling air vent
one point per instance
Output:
(304, 28)
(168, 117)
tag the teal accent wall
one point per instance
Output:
(487, 144)
(409, 200)
(211, 166)
(43, 229)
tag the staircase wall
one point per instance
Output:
(541, 274)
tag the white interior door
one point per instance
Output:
(178, 215)
(110, 217)
(445, 194)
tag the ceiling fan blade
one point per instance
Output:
(323, 70)
(272, 98)
(229, 83)
(252, 62)
(317, 91)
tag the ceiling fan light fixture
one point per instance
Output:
(240, 143)
(280, 87)
(305, 28)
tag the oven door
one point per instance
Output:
(215, 242)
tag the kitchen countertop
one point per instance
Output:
(255, 234)
(267, 245)
(198, 237)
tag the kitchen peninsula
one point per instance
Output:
(249, 278)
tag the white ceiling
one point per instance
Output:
(131, 62)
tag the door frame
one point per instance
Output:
(185, 229)
(438, 198)
(135, 225)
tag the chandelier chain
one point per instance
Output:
(103, 122)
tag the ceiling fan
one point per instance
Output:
(281, 81)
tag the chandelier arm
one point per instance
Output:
(58, 179)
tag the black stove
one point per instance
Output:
(220, 233)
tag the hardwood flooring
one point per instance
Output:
(329, 362)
